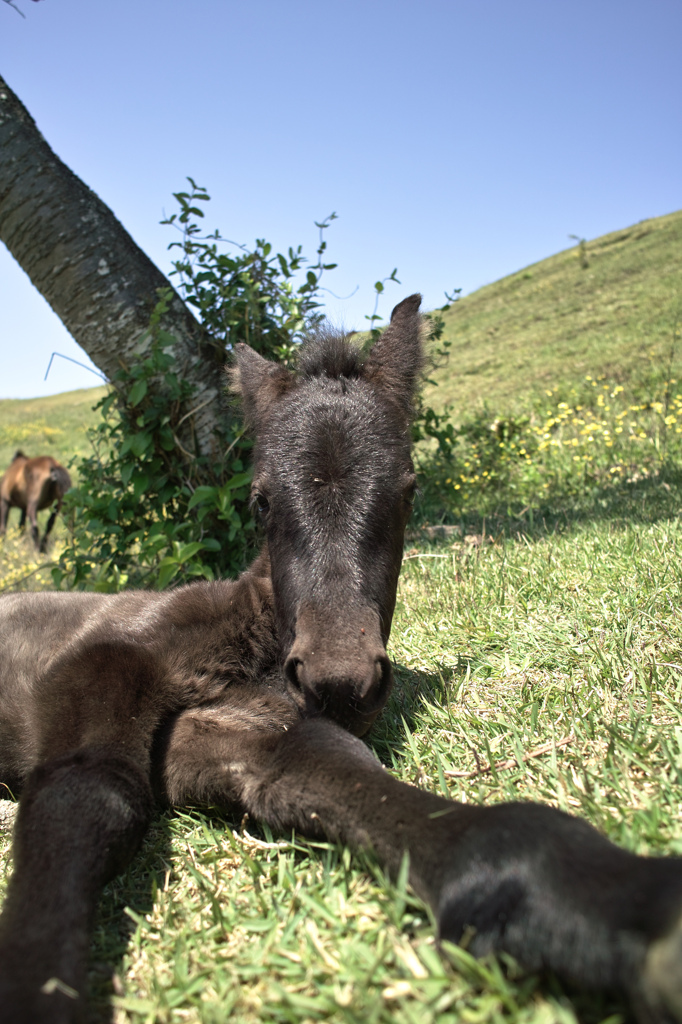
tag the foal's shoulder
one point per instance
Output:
(220, 601)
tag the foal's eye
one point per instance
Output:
(410, 492)
(262, 504)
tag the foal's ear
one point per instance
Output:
(396, 359)
(259, 382)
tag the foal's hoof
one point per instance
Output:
(662, 979)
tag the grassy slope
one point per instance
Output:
(555, 321)
(55, 426)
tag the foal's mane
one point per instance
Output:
(328, 353)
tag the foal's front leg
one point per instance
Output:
(80, 820)
(521, 878)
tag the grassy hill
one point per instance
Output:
(55, 426)
(609, 307)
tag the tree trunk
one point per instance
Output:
(96, 279)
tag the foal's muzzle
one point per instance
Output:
(340, 670)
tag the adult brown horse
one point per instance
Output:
(32, 485)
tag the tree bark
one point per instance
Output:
(96, 279)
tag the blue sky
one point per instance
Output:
(458, 140)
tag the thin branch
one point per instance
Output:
(341, 298)
(260, 843)
(192, 411)
(184, 451)
(233, 443)
(484, 769)
(423, 554)
(10, 4)
(85, 367)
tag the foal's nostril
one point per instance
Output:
(383, 680)
(377, 686)
(291, 670)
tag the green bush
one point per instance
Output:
(561, 452)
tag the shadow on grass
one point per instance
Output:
(129, 896)
(647, 499)
(410, 688)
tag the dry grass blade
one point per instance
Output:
(545, 748)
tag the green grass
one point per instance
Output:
(556, 320)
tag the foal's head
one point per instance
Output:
(333, 486)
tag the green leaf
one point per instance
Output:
(238, 480)
(140, 484)
(137, 392)
(140, 443)
(211, 544)
(107, 402)
(166, 439)
(168, 568)
(202, 493)
(187, 551)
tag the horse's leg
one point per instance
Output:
(50, 524)
(521, 878)
(4, 509)
(80, 820)
(32, 513)
(22, 519)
